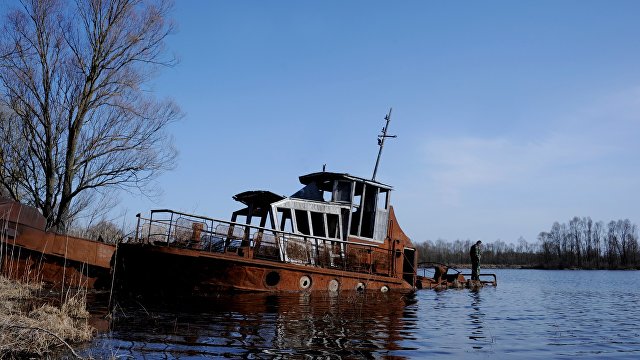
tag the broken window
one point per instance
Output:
(383, 199)
(368, 211)
(355, 215)
(332, 226)
(317, 224)
(302, 222)
(286, 221)
(343, 191)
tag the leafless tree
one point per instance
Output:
(76, 116)
(576, 230)
(105, 231)
(598, 237)
(611, 246)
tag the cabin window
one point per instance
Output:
(332, 226)
(368, 211)
(344, 214)
(286, 221)
(302, 222)
(383, 199)
(366, 200)
(343, 191)
(326, 196)
(355, 215)
(317, 224)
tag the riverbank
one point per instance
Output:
(467, 267)
(31, 327)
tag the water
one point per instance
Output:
(530, 315)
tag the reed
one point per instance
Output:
(31, 326)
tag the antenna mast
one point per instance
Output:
(381, 142)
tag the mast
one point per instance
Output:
(381, 142)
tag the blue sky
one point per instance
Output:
(510, 115)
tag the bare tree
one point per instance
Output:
(598, 237)
(77, 117)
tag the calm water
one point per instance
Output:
(531, 314)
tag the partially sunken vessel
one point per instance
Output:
(339, 232)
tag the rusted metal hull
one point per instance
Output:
(29, 253)
(164, 270)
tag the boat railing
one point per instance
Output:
(181, 230)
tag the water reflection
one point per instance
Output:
(476, 320)
(262, 326)
(532, 315)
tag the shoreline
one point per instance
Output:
(463, 267)
(30, 326)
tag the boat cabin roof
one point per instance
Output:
(257, 202)
(257, 197)
(326, 178)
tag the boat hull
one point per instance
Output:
(29, 253)
(146, 268)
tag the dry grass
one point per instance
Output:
(31, 327)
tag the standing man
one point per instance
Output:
(474, 252)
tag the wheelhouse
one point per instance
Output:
(330, 205)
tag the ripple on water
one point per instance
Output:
(530, 315)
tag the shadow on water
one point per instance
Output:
(345, 325)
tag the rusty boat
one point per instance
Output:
(337, 232)
(29, 253)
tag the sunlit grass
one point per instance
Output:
(30, 326)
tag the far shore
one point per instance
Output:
(467, 267)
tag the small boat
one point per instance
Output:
(29, 253)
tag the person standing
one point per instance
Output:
(474, 253)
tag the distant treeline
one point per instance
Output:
(582, 243)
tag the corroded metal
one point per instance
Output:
(186, 267)
(443, 278)
(337, 233)
(30, 253)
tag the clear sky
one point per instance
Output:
(510, 115)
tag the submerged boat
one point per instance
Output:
(337, 232)
(29, 253)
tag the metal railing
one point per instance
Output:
(181, 230)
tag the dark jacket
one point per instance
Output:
(474, 252)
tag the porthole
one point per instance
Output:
(305, 282)
(384, 289)
(272, 278)
(334, 285)
(360, 286)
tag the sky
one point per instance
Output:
(509, 115)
